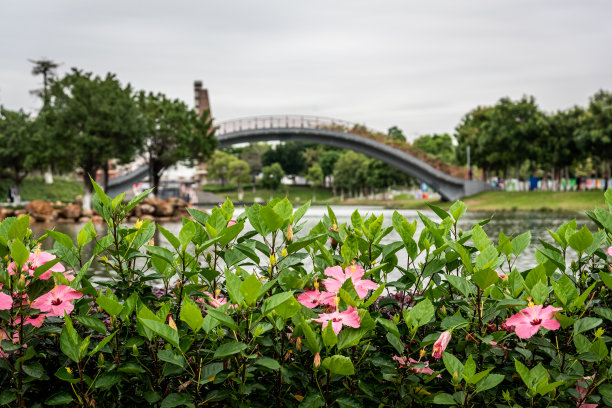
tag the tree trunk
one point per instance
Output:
(48, 175)
(342, 193)
(254, 181)
(88, 189)
(105, 169)
(606, 174)
(17, 193)
(517, 172)
(240, 192)
(314, 195)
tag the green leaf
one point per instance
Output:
(485, 278)
(329, 336)
(19, 228)
(108, 379)
(34, 369)
(273, 301)
(523, 372)
(340, 365)
(187, 233)
(375, 295)
(103, 343)
(99, 192)
(444, 399)
(461, 284)
(453, 366)
(520, 243)
(169, 236)
(192, 315)
(439, 212)
(397, 344)
(606, 278)
(229, 349)
(162, 330)
(271, 218)
(19, 253)
(70, 342)
(480, 238)
(219, 314)
(586, 324)
(421, 313)
(233, 283)
(59, 398)
(487, 258)
(504, 245)
(250, 288)
(389, 325)
(7, 396)
(565, 290)
(110, 306)
(581, 240)
(268, 362)
(172, 357)
(92, 323)
(457, 209)
(539, 293)
(311, 339)
(490, 381)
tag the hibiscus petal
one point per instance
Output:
(525, 331)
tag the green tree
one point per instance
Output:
(218, 166)
(396, 133)
(253, 155)
(239, 172)
(47, 153)
(315, 176)
(349, 171)
(289, 156)
(174, 133)
(595, 134)
(97, 119)
(558, 143)
(272, 176)
(327, 161)
(437, 145)
(16, 147)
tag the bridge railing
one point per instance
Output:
(282, 121)
(316, 122)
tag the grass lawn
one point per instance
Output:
(522, 201)
(297, 194)
(34, 188)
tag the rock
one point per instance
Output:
(162, 208)
(84, 220)
(17, 213)
(147, 209)
(132, 220)
(177, 202)
(136, 211)
(71, 211)
(164, 219)
(147, 217)
(41, 211)
(61, 220)
(97, 219)
(86, 213)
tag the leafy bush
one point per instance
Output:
(258, 316)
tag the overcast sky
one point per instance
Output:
(418, 65)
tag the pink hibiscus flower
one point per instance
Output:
(215, 301)
(408, 363)
(314, 298)
(582, 390)
(6, 301)
(528, 321)
(609, 251)
(34, 320)
(354, 272)
(57, 301)
(349, 317)
(38, 258)
(441, 344)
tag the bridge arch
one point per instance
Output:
(337, 133)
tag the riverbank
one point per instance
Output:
(571, 201)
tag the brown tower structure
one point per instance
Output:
(202, 102)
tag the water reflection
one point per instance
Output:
(511, 223)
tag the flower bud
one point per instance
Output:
(138, 224)
(289, 234)
(21, 283)
(442, 312)
(298, 344)
(396, 319)
(422, 353)
(172, 324)
(317, 360)
(284, 252)
(272, 260)
(135, 350)
(100, 360)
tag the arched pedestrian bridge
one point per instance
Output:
(348, 136)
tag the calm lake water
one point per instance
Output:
(511, 223)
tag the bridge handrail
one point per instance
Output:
(317, 122)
